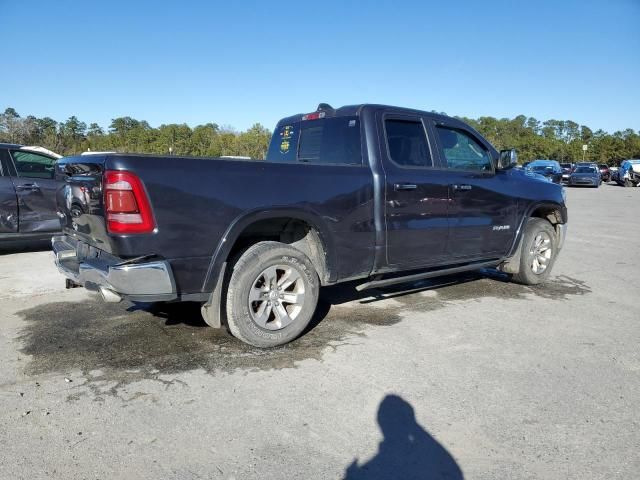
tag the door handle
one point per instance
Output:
(462, 187)
(404, 186)
(28, 186)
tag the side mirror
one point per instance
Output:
(507, 159)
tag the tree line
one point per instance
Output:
(560, 140)
(126, 134)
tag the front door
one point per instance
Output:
(416, 194)
(36, 191)
(483, 212)
(8, 200)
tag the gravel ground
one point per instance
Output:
(464, 377)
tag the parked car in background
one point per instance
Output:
(629, 173)
(614, 173)
(549, 168)
(27, 193)
(381, 194)
(586, 176)
(605, 173)
(586, 164)
(567, 168)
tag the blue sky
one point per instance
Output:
(236, 63)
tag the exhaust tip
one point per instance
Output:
(110, 296)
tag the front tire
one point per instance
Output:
(272, 295)
(539, 250)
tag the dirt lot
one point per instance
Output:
(468, 376)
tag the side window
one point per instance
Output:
(284, 144)
(330, 140)
(407, 143)
(311, 142)
(333, 140)
(33, 165)
(462, 152)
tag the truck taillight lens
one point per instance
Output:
(126, 204)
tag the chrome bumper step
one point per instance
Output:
(115, 278)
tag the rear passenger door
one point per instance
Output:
(8, 200)
(416, 193)
(482, 210)
(33, 178)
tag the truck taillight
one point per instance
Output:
(126, 204)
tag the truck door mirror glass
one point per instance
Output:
(507, 159)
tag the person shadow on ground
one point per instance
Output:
(407, 451)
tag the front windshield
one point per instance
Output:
(585, 170)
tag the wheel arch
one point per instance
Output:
(555, 213)
(551, 211)
(289, 225)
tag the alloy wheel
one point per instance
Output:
(540, 253)
(276, 297)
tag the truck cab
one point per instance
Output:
(442, 194)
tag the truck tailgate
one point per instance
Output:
(80, 199)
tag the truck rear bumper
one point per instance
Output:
(113, 277)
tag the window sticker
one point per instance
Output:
(285, 138)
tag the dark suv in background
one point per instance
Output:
(550, 169)
(27, 194)
(567, 168)
(605, 173)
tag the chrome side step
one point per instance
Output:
(385, 282)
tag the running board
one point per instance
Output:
(385, 282)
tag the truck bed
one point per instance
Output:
(197, 201)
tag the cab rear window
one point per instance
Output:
(334, 140)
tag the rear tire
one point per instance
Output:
(272, 295)
(539, 250)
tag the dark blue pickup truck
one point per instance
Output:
(373, 193)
